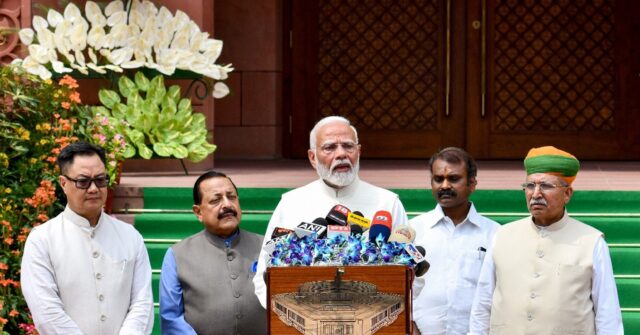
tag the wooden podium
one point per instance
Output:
(339, 300)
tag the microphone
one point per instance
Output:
(417, 255)
(356, 218)
(402, 234)
(334, 230)
(356, 230)
(380, 226)
(279, 231)
(306, 229)
(338, 215)
(279, 234)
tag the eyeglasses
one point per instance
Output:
(544, 187)
(329, 148)
(85, 183)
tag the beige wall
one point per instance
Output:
(248, 122)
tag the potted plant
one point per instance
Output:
(155, 121)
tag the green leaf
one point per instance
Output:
(119, 111)
(184, 106)
(129, 151)
(136, 136)
(162, 149)
(174, 93)
(187, 138)
(180, 152)
(127, 86)
(145, 152)
(156, 89)
(141, 81)
(108, 98)
(95, 110)
(198, 154)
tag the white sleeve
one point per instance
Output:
(604, 293)
(40, 289)
(258, 280)
(398, 213)
(139, 319)
(481, 307)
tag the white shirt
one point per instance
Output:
(316, 199)
(79, 279)
(456, 253)
(603, 293)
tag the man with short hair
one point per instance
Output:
(455, 238)
(85, 272)
(547, 273)
(205, 283)
(334, 153)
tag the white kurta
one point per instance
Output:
(456, 253)
(316, 199)
(79, 279)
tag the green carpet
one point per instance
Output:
(616, 214)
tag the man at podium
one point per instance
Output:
(334, 152)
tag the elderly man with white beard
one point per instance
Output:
(335, 154)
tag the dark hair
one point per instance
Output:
(454, 155)
(66, 156)
(197, 195)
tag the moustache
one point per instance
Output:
(226, 211)
(540, 202)
(340, 162)
(447, 192)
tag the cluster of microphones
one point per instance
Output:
(344, 237)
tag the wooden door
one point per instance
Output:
(551, 72)
(494, 77)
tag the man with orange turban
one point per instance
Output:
(547, 273)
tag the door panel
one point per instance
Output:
(550, 79)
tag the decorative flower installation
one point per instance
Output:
(338, 250)
(37, 119)
(122, 37)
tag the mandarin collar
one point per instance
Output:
(222, 242)
(78, 220)
(344, 192)
(554, 226)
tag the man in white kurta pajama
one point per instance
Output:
(84, 272)
(336, 159)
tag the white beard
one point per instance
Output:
(339, 179)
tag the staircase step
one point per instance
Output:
(631, 321)
(414, 200)
(628, 292)
(626, 261)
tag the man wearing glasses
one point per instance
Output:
(84, 272)
(547, 273)
(334, 152)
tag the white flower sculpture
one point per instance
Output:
(114, 40)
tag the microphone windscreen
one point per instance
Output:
(321, 221)
(305, 229)
(335, 230)
(402, 234)
(379, 230)
(356, 219)
(422, 267)
(338, 215)
(279, 231)
(382, 218)
(356, 230)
